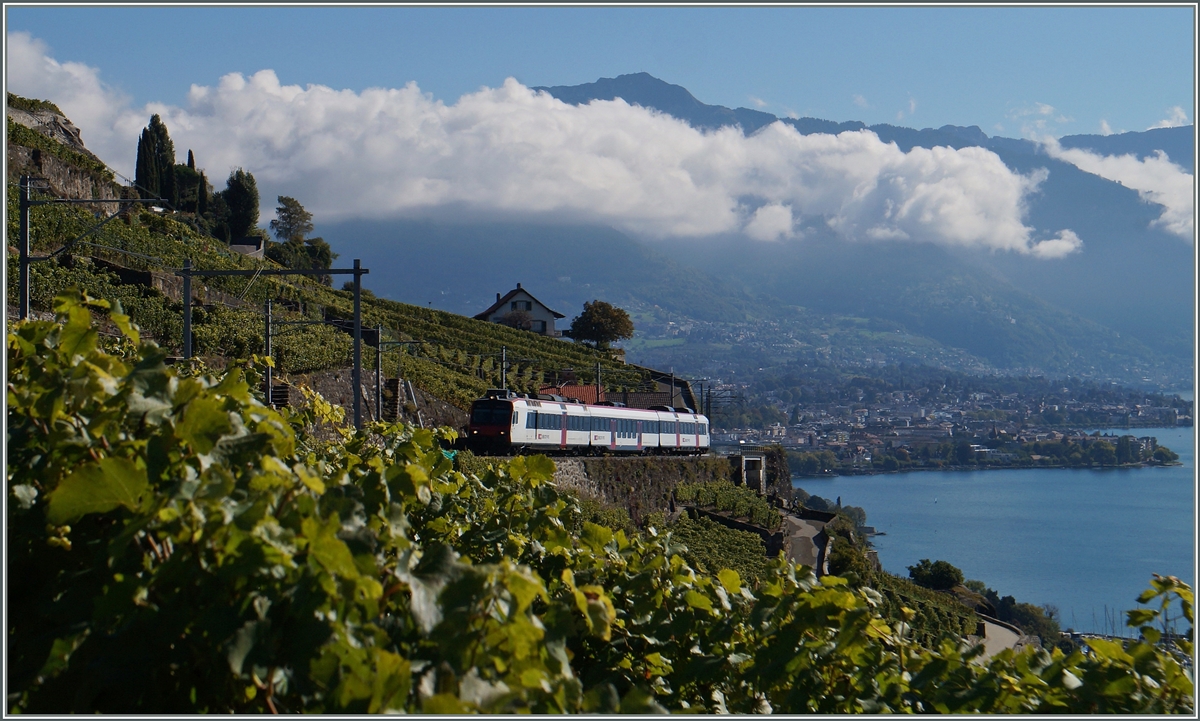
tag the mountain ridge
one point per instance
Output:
(1101, 283)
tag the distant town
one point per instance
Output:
(923, 429)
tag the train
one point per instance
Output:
(505, 423)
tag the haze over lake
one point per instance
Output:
(1080, 539)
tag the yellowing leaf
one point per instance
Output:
(125, 325)
(97, 488)
(310, 479)
(731, 580)
(695, 599)
(597, 537)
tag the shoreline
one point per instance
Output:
(880, 472)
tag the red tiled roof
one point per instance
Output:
(587, 394)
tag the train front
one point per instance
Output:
(490, 430)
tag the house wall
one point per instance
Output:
(538, 312)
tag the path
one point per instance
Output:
(803, 542)
(996, 639)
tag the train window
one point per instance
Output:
(531, 420)
(514, 420)
(485, 413)
(703, 429)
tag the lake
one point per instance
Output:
(1084, 540)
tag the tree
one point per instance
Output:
(202, 195)
(963, 453)
(217, 212)
(154, 171)
(519, 319)
(292, 221)
(938, 575)
(1125, 452)
(600, 324)
(241, 195)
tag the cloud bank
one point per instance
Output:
(384, 153)
(1156, 179)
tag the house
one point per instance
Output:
(520, 309)
(251, 246)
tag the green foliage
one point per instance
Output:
(848, 557)
(600, 324)
(291, 221)
(936, 575)
(931, 615)
(812, 463)
(643, 486)
(711, 547)
(155, 165)
(241, 196)
(735, 501)
(184, 549)
(1162, 454)
(31, 105)
(591, 510)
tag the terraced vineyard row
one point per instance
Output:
(454, 358)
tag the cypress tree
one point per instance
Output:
(146, 171)
(241, 193)
(191, 160)
(164, 160)
(201, 194)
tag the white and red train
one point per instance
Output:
(506, 422)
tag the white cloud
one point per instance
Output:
(1065, 243)
(770, 222)
(912, 108)
(384, 153)
(1156, 179)
(1039, 119)
(1105, 128)
(1178, 116)
(758, 102)
(861, 102)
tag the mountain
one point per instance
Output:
(650, 92)
(1131, 276)
(710, 312)
(1178, 143)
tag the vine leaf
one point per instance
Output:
(78, 337)
(97, 488)
(204, 422)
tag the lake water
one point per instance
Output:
(1084, 540)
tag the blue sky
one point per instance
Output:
(999, 68)
(383, 112)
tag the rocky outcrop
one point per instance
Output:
(66, 179)
(52, 125)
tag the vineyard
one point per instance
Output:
(735, 501)
(185, 549)
(452, 357)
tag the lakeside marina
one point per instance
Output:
(1084, 540)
